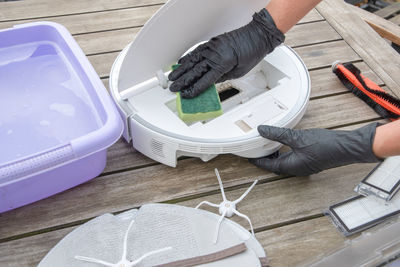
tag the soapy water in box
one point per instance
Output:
(42, 101)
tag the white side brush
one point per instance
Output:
(228, 208)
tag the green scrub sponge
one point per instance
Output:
(203, 107)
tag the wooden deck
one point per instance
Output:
(286, 211)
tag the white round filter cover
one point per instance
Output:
(164, 234)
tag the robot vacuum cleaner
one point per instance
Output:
(275, 92)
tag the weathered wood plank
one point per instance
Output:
(293, 198)
(268, 204)
(323, 55)
(110, 41)
(395, 19)
(129, 189)
(375, 51)
(386, 29)
(388, 11)
(311, 33)
(102, 63)
(98, 21)
(358, 125)
(29, 251)
(43, 8)
(299, 243)
(122, 155)
(313, 15)
(336, 110)
(324, 82)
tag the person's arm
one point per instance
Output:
(387, 140)
(287, 13)
(233, 54)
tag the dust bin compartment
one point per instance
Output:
(56, 118)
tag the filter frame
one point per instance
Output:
(343, 225)
(389, 194)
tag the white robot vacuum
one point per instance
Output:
(275, 92)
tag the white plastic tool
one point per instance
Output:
(275, 92)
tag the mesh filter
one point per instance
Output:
(360, 212)
(155, 228)
(101, 237)
(383, 181)
(35, 164)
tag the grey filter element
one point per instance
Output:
(359, 213)
(383, 181)
(378, 247)
(157, 235)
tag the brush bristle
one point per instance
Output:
(382, 111)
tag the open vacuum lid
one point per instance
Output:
(176, 27)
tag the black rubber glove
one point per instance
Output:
(226, 56)
(315, 150)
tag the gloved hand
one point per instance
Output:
(315, 150)
(226, 56)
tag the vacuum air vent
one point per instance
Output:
(157, 148)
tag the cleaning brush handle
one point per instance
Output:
(160, 79)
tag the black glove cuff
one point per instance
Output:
(265, 20)
(368, 135)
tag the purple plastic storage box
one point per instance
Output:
(56, 118)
